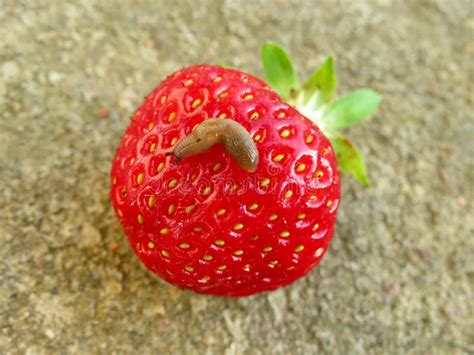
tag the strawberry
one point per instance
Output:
(205, 222)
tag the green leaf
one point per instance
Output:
(349, 158)
(351, 109)
(279, 69)
(321, 85)
(222, 64)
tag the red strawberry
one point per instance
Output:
(206, 224)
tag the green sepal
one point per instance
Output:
(349, 158)
(321, 85)
(351, 109)
(279, 69)
(222, 64)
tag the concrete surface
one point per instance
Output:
(399, 275)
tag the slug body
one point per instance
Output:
(233, 136)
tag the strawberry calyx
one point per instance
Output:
(314, 99)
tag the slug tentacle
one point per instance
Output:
(232, 135)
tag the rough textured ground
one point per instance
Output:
(399, 275)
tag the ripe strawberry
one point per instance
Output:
(203, 222)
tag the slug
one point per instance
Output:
(232, 135)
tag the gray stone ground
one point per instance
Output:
(399, 275)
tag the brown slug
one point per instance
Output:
(232, 135)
